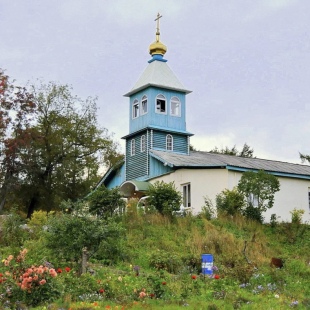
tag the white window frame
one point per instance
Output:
(161, 104)
(135, 109)
(169, 142)
(133, 147)
(144, 106)
(175, 107)
(186, 190)
(143, 144)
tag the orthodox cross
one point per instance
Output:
(157, 28)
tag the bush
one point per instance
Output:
(68, 234)
(12, 231)
(163, 260)
(230, 202)
(105, 202)
(164, 197)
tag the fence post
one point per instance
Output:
(84, 260)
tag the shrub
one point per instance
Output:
(297, 215)
(105, 202)
(230, 202)
(164, 197)
(30, 285)
(68, 234)
(162, 260)
(13, 233)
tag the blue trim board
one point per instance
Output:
(280, 174)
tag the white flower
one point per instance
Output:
(276, 296)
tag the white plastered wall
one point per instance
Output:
(210, 182)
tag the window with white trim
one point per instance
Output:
(175, 106)
(186, 195)
(161, 104)
(143, 143)
(169, 143)
(135, 109)
(132, 147)
(144, 105)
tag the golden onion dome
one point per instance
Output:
(158, 48)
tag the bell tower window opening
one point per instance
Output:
(135, 109)
(132, 147)
(144, 105)
(169, 143)
(143, 144)
(175, 106)
(161, 104)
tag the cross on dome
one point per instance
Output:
(158, 48)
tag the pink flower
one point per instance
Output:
(53, 273)
(142, 294)
(42, 282)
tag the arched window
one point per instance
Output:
(143, 144)
(144, 105)
(161, 104)
(175, 106)
(169, 143)
(132, 147)
(135, 109)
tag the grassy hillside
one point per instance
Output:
(155, 263)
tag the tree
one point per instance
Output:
(258, 189)
(304, 158)
(164, 197)
(17, 110)
(62, 157)
(245, 152)
(230, 202)
(104, 202)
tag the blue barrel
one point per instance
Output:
(207, 264)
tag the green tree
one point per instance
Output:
(304, 158)
(258, 189)
(62, 158)
(230, 202)
(104, 202)
(16, 112)
(164, 197)
(245, 152)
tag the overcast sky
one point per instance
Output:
(246, 61)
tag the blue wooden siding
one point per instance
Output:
(152, 118)
(118, 178)
(137, 165)
(179, 141)
(157, 168)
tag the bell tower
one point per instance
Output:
(157, 113)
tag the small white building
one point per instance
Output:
(158, 149)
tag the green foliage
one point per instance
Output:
(297, 215)
(68, 234)
(26, 284)
(230, 202)
(104, 202)
(208, 211)
(164, 197)
(13, 232)
(64, 142)
(164, 260)
(245, 152)
(258, 189)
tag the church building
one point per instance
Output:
(158, 149)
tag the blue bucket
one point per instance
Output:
(207, 264)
